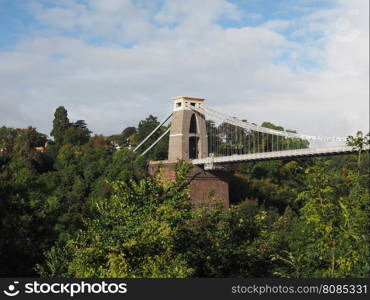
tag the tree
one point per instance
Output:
(134, 234)
(220, 242)
(80, 124)
(146, 126)
(160, 151)
(330, 239)
(358, 143)
(126, 134)
(128, 168)
(60, 125)
(76, 135)
(125, 138)
(25, 148)
(7, 140)
(96, 213)
(25, 228)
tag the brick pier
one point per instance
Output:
(206, 187)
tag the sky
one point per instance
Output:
(301, 64)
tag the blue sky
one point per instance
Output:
(14, 22)
(265, 10)
(17, 20)
(113, 62)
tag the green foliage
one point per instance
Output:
(160, 152)
(220, 242)
(358, 143)
(271, 183)
(76, 136)
(330, 238)
(124, 138)
(65, 132)
(46, 193)
(134, 234)
(60, 125)
(7, 140)
(125, 158)
(146, 126)
(94, 212)
(147, 228)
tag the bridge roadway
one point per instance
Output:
(210, 162)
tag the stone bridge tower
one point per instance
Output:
(188, 135)
(189, 140)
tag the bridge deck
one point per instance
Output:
(209, 162)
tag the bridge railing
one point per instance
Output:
(211, 162)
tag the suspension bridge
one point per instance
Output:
(212, 139)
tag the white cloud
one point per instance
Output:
(188, 54)
(196, 12)
(277, 25)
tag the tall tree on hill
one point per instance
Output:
(60, 125)
(77, 133)
(146, 126)
(126, 134)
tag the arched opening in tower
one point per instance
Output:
(193, 140)
(193, 124)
